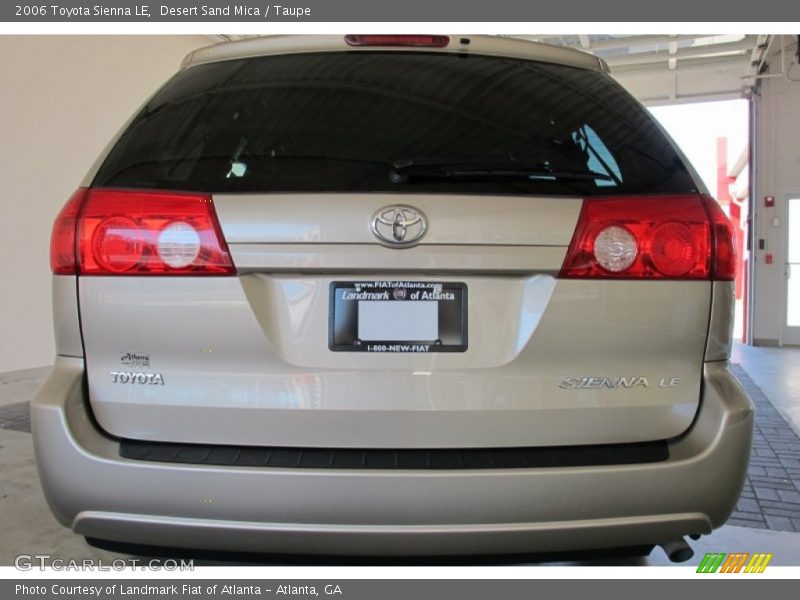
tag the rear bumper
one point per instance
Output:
(97, 493)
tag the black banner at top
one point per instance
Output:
(309, 11)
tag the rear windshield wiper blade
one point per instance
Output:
(483, 168)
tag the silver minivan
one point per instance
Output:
(395, 295)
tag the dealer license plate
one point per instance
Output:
(398, 316)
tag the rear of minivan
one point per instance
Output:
(395, 295)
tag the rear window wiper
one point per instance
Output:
(402, 170)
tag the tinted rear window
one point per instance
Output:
(336, 122)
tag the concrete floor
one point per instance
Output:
(777, 372)
(28, 527)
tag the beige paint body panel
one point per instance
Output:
(345, 218)
(720, 327)
(66, 323)
(246, 361)
(340, 511)
(361, 258)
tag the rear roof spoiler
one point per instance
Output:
(459, 44)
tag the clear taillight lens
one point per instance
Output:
(178, 245)
(131, 232)
(615, 248)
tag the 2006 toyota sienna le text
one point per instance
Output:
(396, 295)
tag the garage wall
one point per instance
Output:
(777, 173)
(61, 100)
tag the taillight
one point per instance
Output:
(425, 41)
(127, 232)
(62, 238)
(667, 237)
(724, 266)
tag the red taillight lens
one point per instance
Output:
(666, 237)
(121, 232)
(62, 238)
(673, 249)
(724, 267)
(117, 244)
(429, 41)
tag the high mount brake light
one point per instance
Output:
(129, 232)
(659, 237)
(422, 41)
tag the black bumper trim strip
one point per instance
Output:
(383, 459)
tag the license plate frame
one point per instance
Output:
(344, 318)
